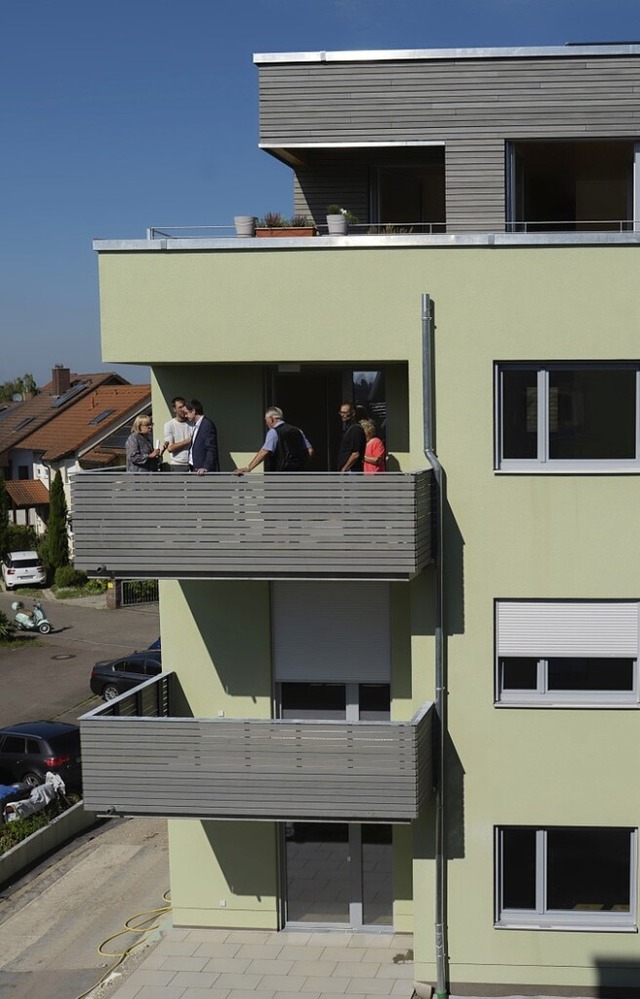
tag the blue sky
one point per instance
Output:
(133, 113)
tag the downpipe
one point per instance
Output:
(429, 410)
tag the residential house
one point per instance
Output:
(410, 700)
(91, 433)
(74, 421)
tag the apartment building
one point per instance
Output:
(407, 701)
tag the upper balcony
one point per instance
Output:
(267, 769)
(272, 526)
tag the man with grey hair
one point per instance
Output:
(286, 447)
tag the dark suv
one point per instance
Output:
(116, 676)
(28, 750)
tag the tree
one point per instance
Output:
(4, 518)
(56, 547)
(26, 385)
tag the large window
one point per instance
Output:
(556, 653)
(567, 417)
(565, 877)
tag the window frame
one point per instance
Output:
(542, 696)
(542, 918)
(542, 462)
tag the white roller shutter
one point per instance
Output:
(331, 632)
(567, 629)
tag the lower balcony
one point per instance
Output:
(222, 526)
(139, 758)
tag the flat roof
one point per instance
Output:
(570, 50)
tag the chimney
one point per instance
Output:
(61, 378)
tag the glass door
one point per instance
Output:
(339, 874)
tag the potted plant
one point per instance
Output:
(245, 225)
(276, 224)
(338, 220)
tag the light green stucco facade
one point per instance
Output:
(208, 322)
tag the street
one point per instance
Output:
(53, 920)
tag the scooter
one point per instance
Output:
(36, 621)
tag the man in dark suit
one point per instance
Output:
(203, 453)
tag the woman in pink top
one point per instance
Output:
(374, 455)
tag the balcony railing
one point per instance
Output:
(139, 759)
(273, 526)
(577, 226)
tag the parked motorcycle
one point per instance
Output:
(35, 621)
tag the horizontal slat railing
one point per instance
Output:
(220, 526)
(263, 769)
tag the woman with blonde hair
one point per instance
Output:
(142, 456)
(375, 457)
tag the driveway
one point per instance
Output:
(47, 676)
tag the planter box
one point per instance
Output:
(286, 231)
(64, 827)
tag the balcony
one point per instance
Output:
(295, 526)
(138, 758)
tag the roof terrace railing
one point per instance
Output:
(475, 225)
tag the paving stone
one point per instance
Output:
(179, 947)
(359, 970)
(249, 994)
(396, 971)
(253, 936)
(217, 949)
(174, 962)
(198, 993)
(323, 969)
(264, 966)
(333, 983)
(310, 952)
(195, 979)
(161, 992)
(345, 954)
(244, 982)
(230, 965)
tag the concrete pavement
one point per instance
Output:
(254, 964)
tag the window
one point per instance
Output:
(565, 878)
(580, 186)
(567, 417)
(566, 652)
(102, 416)
(335, 701)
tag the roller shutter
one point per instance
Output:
(544, 629)
(331, 632)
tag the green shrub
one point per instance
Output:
(68, 575)
(13, 833)
(7, 627)
(21, 538)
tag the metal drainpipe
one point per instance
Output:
(428, 397)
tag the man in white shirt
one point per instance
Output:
(177, 437)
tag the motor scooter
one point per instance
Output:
(36, 621)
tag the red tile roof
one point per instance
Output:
(88, 418)
(21, 420)
(27, 493)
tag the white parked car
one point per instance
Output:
(23, 569)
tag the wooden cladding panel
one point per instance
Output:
(439, 99)
(257, 769)
(269, 526)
